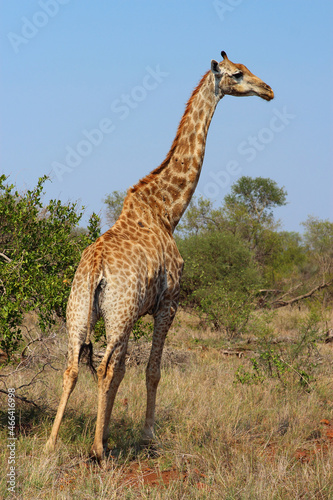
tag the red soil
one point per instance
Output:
(138, 474)
(318, 444)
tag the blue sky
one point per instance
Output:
(92, 94)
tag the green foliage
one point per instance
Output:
(142, 329)
(249, 212)
(286, 362)
(300, 263)
(200, 216)
(93, 229)
(99, 332)
(318, 239)
(289, 264)
(246, 212)
(220, 279)
(39, 255)
(258, 197)
(226, 308)
(245, 377)
(114, 205)
(289, 256)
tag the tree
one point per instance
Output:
(258, 197)
(38, 257)
(249, 212)
(220, 279)
(200, 216)
(287, 259)
(318, 239)
(114, 203)
(305, 264)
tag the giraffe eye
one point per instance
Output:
(238, 75)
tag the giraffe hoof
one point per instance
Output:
(148, 432)
(96, 457)
(100, 456)
(50, 446)
(148, 438)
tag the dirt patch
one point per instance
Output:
(320, 441)
(137, 475)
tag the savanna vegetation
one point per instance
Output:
(245, 400)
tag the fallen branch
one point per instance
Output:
(35, 376)
(291, 290)
(32, 381)
(22, 398)
(282, 303)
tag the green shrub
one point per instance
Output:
(142, 329)
(289, 361)
(38, 259)
(220, 279)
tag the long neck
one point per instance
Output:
(169, 188)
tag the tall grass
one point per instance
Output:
(216, 438)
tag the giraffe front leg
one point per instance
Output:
(162, 324)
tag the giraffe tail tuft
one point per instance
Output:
(87, 352)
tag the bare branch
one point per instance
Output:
(22, 398)
(5, 257)
(39, 339)
(282, 303)
(33, 378)
(291, 290)
(297, 373)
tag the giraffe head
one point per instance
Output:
(236, 79)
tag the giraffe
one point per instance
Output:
(135, 267)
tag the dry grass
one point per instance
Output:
(217, 439)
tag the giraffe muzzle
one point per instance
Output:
(266, 92)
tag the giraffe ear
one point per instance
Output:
(215, 67)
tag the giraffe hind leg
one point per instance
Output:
(110, 374)
(69, 381)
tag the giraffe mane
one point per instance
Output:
(151, 176)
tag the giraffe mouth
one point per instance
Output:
(265, 92)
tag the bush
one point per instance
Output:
(220, 279)
(288, 362)
(39, 256)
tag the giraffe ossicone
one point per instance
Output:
(135, 267)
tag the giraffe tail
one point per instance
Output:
(86, 351)
(95, 279)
